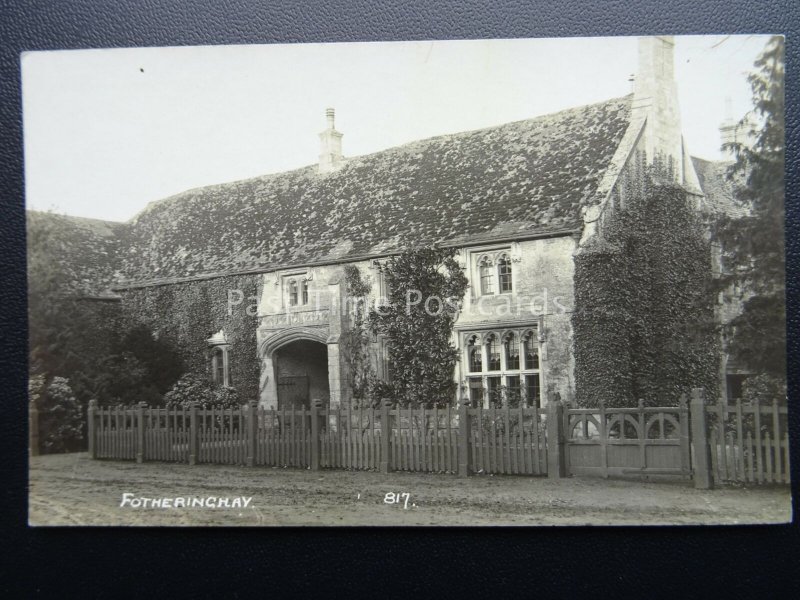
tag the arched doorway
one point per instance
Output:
(301, 372)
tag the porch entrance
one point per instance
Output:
(302, 374)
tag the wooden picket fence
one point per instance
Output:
(350, 439)
(508, 441)
(749, 443)
(502, 441)
(721, 443)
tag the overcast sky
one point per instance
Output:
(108, 131)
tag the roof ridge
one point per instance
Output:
(73, 217)
(400, 147)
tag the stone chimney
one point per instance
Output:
(330, 147)
(655, 98)
(731, 131)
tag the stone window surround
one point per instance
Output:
(491, 256)
(476, 338)
(378, 267)
(220, 352)
(301, 278)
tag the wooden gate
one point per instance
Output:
(624, 441)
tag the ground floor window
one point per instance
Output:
(532, 390)
(220, 371)
(475, 392)
(503, 367)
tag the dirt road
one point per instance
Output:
(71, 489)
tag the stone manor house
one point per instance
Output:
(247, 277)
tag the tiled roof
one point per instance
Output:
(520, 178)
(85, 251)
(718, 189)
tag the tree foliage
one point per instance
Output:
(356, 340)
(426, 288)
(60, 414)
(753, 245)
(88, 342)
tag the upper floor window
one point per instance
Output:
(297, 290)
(379, 268)
(487, 276)
(494, 272)
(293, 292)
(504, 273)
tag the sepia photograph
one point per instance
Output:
(492, 282)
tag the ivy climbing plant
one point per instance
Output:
(356, 340)
(644, 323)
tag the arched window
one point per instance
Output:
(220, 373)
(292, 292)
(493, 353)
(475, 358)
(304, 291)
(531, 352)
(512, 352)
(508, 373)
(504, 273)
(486, 276)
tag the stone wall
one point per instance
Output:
(542, 297)
(187, 314)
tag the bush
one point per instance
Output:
(120, 379)
(60, 415)
(764, 389)
(192, 387)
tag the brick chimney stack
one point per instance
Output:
(330, 152)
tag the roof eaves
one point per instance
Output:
(476, 241)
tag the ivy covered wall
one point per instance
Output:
(187, 314)
(644, 321)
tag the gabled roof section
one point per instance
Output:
(521, 178)
(84, 251)
(719, 190)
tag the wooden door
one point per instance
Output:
(293, 392)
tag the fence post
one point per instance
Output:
(555, 438)
(33, 428)
(315, 448)
(91, 431)
(703, 478)
(386, 435)
(193, 434)
(140, 432)
(464, 435)
(686, 452)
(252, 429)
